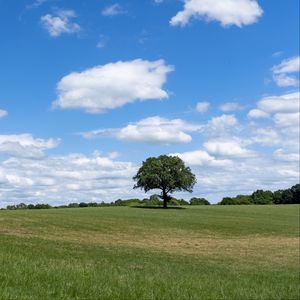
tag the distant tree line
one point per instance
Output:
(154, 200)
(287, 196)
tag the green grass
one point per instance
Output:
(206, 252)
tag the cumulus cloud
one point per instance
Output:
(220, 126)
(218, 177)
(283, 111)
(228, 147)
(152, 130)
(286, 103)
(65, 179)
(287, 120)
(257, 114)
(283, 117)
(60, 23)
(245, 175)
(227, 12)
(201, 158)
(223, 121)
(281, 72)
(113, 10)
(202, 106)
(3, 113)
(25, 145)
(230, 106)
(113, 85)
(265, 136)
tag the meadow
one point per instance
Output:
(200, 252)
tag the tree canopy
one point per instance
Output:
(166, 173)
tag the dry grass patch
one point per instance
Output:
(275, 249)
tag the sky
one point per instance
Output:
(90, 89)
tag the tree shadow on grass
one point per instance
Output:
(157, 207)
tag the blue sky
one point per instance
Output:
(89, 89)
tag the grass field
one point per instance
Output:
(206, 252)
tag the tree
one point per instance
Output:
(166, 173)
(228, 201)
(296, 193)
(199, 201)
(262, 197)
(287, 197)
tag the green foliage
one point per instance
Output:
(166, 173)
(174, 202)
(287, 196)
(182, 202)
(29, 206)
(154, 200)
(262, 197)
(277, 197)
(199, 201)
(296, 193)
(243, 200)
(129, 202)
(228, 201)
(238, 200)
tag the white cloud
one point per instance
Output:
(283, 115)
(282, 110)
(3, 113)
(60, 23)
(266, 137)
(287, 119)
(245, 175)
(64, 179)
(223, 121)
(24, 145)
(257, 114)
(220, 125)
(113, 85)
(281, 72)
(202, 106)
(227, 147)
(113, 10)
(61, 179)
(280, 154)
(201, 158)
(227, 12)
(286, 103)
(231, 106)
(290, 65)
(283, 80)
(232, 175)
(152, 130)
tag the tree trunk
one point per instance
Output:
(165, 198)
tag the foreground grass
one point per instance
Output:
(216, 252)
